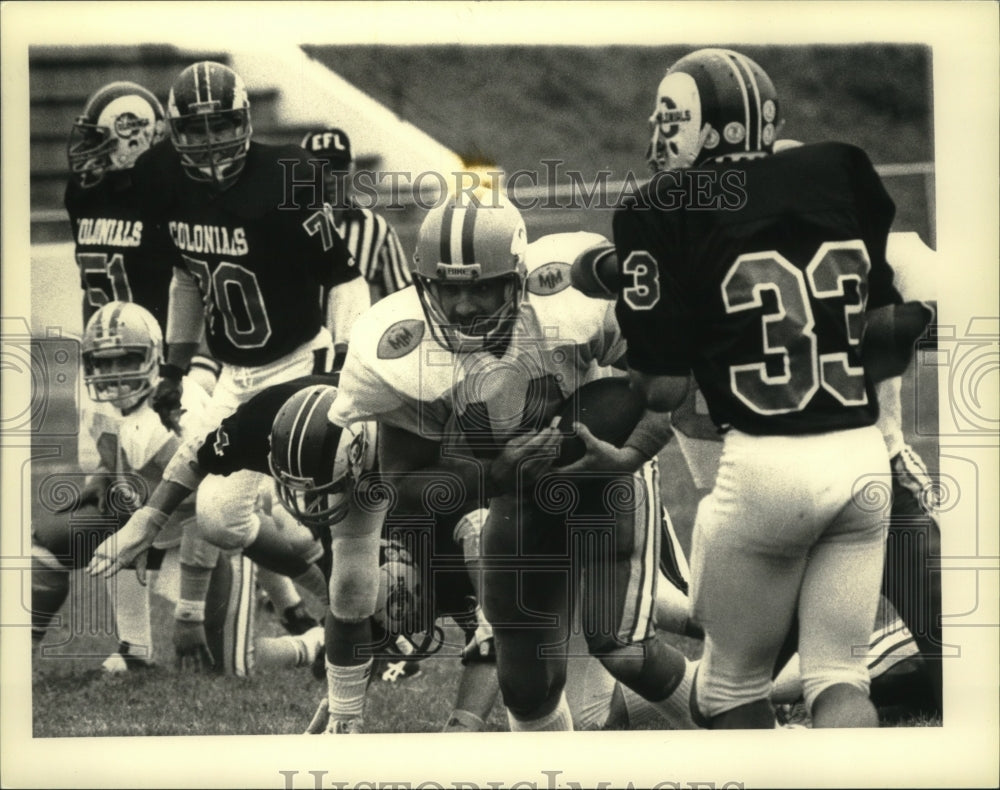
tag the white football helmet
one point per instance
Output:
(712, 103)
(122, 349)
(119, 122)
(314, 462)
(467, 242)
(402, 609)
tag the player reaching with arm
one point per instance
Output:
(465, 374)
(766, 296)
(257, 251)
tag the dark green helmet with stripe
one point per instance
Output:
(712, 103)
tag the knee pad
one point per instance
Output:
(225, 510)
(354, 577)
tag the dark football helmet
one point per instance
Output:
(209, 114)
(119, 122)
(314, 462)
(712, 103)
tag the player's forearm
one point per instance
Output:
(185, 316)
(343, 305)
(182, 476)
(649, 436)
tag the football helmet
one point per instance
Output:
(122, 349)
(314, 462)
(209, 115)
(402, 609)
(119, 122)
(712, 103)
(467, 242)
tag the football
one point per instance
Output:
(608, 407)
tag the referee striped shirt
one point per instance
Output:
(376, 249)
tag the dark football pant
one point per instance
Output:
(591, 540)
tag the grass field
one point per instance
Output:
(71, 697)
(586, 107)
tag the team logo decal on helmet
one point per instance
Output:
(314, 462)
(209, 114)
(122, 349)
(118, 123)
(711, 103)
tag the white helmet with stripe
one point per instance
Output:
(122, 349)
(314, 462)
(468, 241)
(712, 103)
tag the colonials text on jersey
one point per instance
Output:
(209, 239)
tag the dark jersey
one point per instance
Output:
(261, 253)
(243, 439)
(120, 255)
(755, 275)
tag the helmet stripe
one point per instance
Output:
(295, 437)
(208, 84)
(113, 321)
(727, 57)
(754, 106)
(469, 231)
(446, 220)
(455, 234)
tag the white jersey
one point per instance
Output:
(396, 372)
(131, 446)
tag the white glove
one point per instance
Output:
(127, 547)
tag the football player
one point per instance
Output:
(257, 251)
(122, 348)
(121, 257)
(465, 374)
(911, 612)
(755, 270)
(370, 238)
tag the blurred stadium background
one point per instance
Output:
(413, 109)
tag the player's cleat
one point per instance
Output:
(123, 661)
(352, 726)
(296, 620)
(317, 725)
(397, 671)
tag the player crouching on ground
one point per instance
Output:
(122, 347)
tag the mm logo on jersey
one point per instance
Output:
(400, 339)
(549, 279)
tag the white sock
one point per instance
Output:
(559, 720)
(676, 708)
(346, 688)
(280, 589)
(130, 601)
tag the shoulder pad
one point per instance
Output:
(550, 278)
(400, 338)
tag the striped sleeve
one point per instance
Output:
(392, 261)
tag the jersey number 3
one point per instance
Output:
(788, 329)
